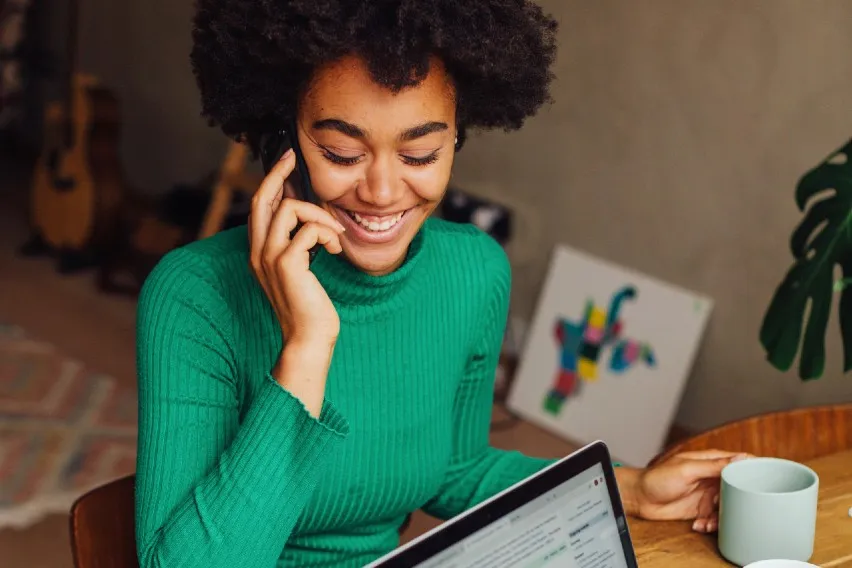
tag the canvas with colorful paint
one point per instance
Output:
(608, 354)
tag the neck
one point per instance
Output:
(352, 289)
(386, 271)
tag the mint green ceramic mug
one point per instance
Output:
(767, 510)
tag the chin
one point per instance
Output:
(374, 254)
(373, 260)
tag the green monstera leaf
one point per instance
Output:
(822, 241)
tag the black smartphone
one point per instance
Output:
(272, 147)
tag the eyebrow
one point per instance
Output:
(341, 126)
(353, 131)
(423, 130)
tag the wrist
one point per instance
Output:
(307, 359)
(627, 479)
(310, 349)
(302, 369)
(309, 341)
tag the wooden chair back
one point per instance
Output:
(799, 435)
(232, 178)
(103, 528)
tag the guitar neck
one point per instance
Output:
(71, 69)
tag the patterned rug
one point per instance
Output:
(63, 429)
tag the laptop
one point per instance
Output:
(568, 515)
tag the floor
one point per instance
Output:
(99, 330)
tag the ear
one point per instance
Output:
(461, 136)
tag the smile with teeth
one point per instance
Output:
(377, 224)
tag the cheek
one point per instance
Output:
(332, 183)
(430, 183)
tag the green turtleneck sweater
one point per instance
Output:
(233, 471)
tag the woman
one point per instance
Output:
(294, 413)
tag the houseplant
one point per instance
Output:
(797, 316)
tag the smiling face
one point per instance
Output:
(380, 161)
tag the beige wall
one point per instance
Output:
(678, 134)
(141, 49)
(679, 130)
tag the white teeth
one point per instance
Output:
(377, 226)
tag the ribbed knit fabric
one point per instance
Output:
(232, 470)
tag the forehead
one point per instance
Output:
(345, 89)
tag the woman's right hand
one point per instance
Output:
(282, 265)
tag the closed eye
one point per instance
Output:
(420, 161)
(352, 160)
(340, 160)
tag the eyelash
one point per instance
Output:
(340, 160)
(411, 161)
(425, 161)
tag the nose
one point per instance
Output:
(382, 186)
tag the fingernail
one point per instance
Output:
(695, 525)
(739, 457)
(341, 227)
(716, 500)
(287, 154)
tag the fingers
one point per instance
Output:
(712, 454)
(708, 499)
(706, 525)
(316, 233)
(699, 469)
(712, 523)
(290, 213)
(264, 204)
(274, 216)
(706, 518)
(273, 184)
(296, 253)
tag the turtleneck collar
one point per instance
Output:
(357, 294)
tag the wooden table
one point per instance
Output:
(669, 544)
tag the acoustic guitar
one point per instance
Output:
(77, 185)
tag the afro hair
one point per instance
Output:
(253, 58)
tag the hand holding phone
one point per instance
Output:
(273, 145)
(280, 262)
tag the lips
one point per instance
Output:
(375, 223)
(373, 229)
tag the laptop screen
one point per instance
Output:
(572, 525)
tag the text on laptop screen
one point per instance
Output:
(571, 526)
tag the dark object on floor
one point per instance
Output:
(137, 253)
(151, 228)
(494, 219)
(184, 206)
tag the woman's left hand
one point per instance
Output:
(683, 487)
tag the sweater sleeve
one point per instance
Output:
(477, 471)
(214, 488)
